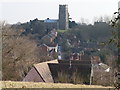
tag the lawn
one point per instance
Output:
(61, 31)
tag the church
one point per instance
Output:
(61, 23)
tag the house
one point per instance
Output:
(40, 73)
(95, 59)
(48, 71)
(75, 56)
(54, 32)
(78, 56)
(49, 50)
(51, 24)
(53, 47)
(50, 37)
(44, 49)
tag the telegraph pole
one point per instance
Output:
(118, 35)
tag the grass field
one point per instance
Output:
(14, 84)
(61, 31)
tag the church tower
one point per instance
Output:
(63, 17)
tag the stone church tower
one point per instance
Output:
(63, 17)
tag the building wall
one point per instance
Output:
(77, 56)
(63, 17)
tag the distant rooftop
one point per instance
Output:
(50, 20)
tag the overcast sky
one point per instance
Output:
(14, 11)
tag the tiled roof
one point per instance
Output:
(44, 71)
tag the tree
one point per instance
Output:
(116, 41)
(35, 27)
(18, 54)
(116, 36)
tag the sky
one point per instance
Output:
(13, 11)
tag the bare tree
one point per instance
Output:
(18, 53)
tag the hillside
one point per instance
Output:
(14, 84)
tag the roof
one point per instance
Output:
(50, 45)
(43, 45)
(50, 20)
(44, 71)
(104, 66)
